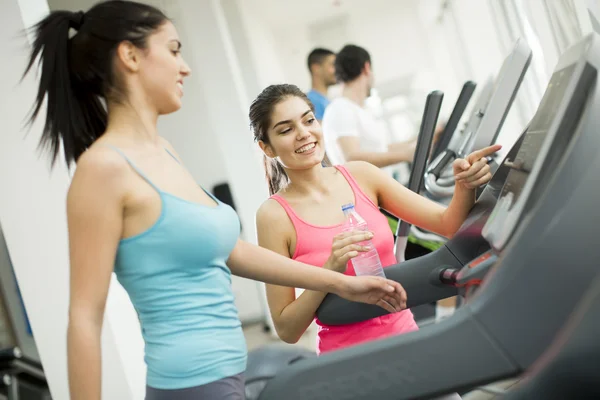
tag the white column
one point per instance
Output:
(33, 218)
(236, 25)
(212, 132)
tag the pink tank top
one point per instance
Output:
(313, 246)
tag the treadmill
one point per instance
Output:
(484, 125)
(572, 363)
(419, 166)
(21, 373)
(512, 259)
(481, 130)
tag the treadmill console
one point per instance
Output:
(486, 121)
(542, 146)
(503, 93)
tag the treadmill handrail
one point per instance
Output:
(460, 106)
(431, 112)
(420, 278)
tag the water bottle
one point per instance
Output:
(366, 262)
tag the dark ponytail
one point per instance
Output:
(261, 110)
(275, 175)
(77, 72)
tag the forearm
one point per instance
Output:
(380, 160)
(298, 315)
(458, 209)
(84, 360)
(257, 263)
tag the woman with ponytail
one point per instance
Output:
(133, 209)
(303, 217)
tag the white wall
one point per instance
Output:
(261, 41)
(404, 38)
(388, 29)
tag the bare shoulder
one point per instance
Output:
(101, 173)
(360, 167)
(275, 230)
(363, 172)
(101, 163)
(271, 213)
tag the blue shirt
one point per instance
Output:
(319, 101)
(176, 276)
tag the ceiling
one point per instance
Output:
(281, 12)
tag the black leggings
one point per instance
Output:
(230, 388)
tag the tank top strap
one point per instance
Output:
(296, 221)
(135, 168)
(171, 154)
(355, 187)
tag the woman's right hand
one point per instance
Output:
(346, 246)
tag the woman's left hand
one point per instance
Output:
(385, 293)
(474, 171)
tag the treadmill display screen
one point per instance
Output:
(536, 133)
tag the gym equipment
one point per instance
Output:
(571, 365)
(21, 373)
(457, 112)
(433, 103)
(516, 248)
(424, 140)
(425, 240)
(265, 362)
(482, 129)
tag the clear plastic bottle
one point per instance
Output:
(366, 262)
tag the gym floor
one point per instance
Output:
(256, 337)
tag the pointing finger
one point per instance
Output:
(481, 153)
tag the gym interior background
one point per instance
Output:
(235, 48)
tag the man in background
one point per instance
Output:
(350, 130)
(321, 65)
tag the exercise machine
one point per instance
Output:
(431, 112)
(21, 373)
(483, 127)
(455, 116)
(571, 366)
(512, 259)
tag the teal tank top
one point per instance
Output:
(176, 276)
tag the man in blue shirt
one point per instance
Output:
(321, 65)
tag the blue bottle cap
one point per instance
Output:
(347, 207)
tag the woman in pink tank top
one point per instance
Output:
(303, 217)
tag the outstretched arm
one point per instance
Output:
(470, 173)
(253, 262)
(343, 123)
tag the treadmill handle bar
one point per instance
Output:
(424, 141)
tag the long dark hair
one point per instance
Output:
(261, 111)
(77, 73)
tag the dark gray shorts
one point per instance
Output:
(230, 388)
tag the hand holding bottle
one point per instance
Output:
(347, 245)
